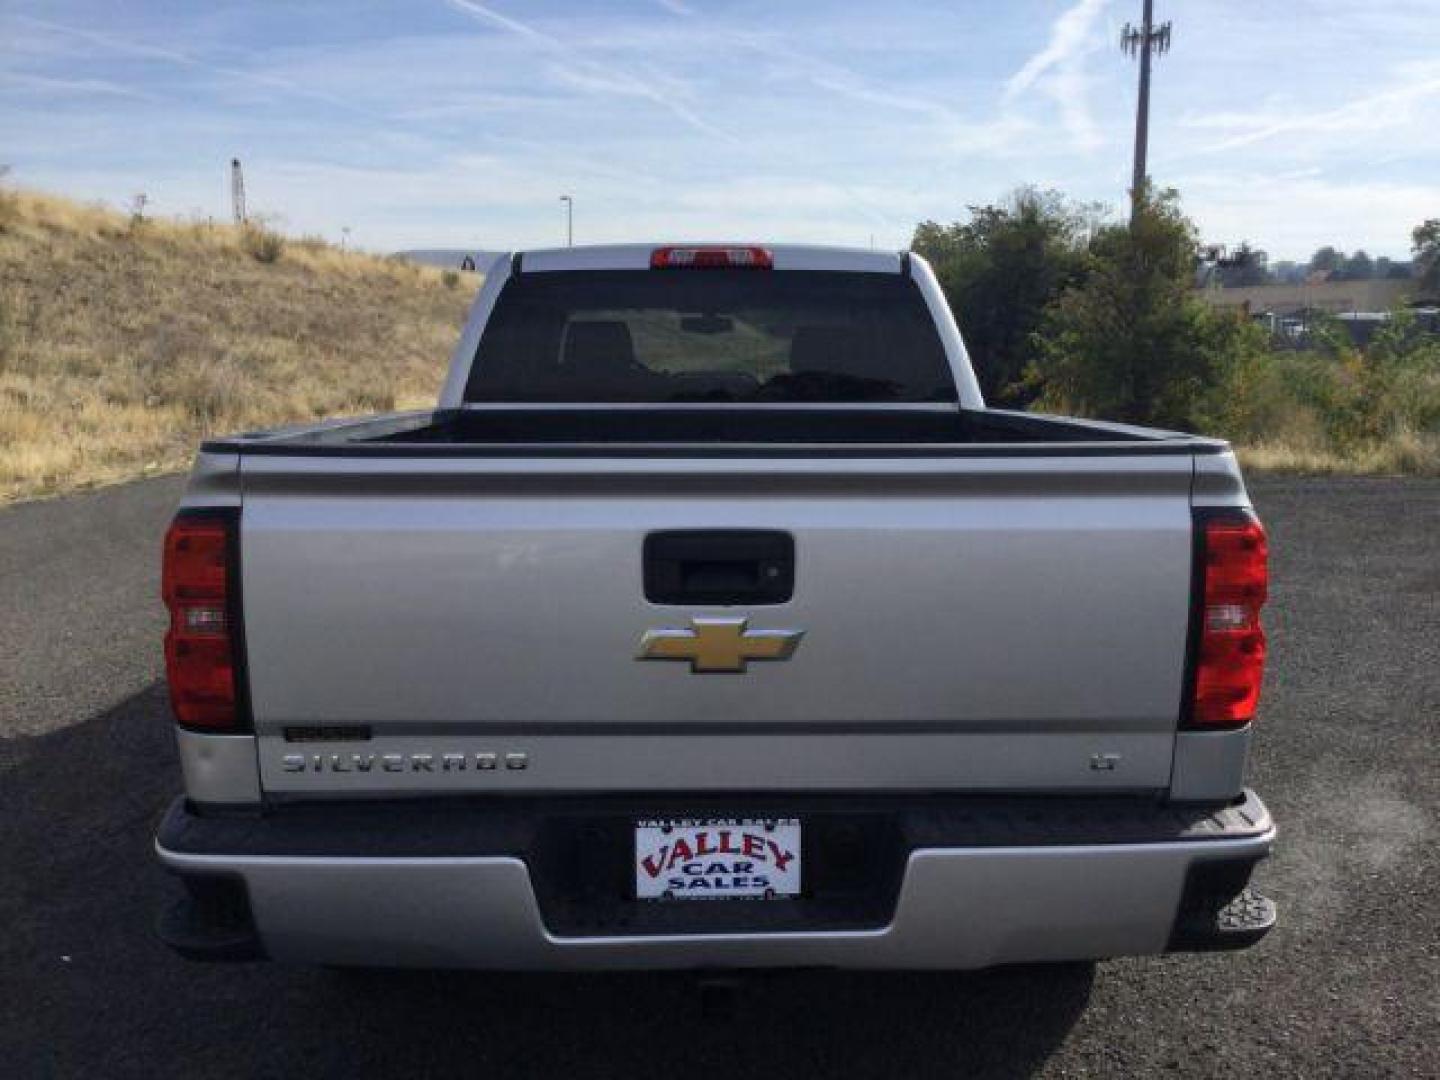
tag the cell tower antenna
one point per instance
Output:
(237, 191)
(1145, 41)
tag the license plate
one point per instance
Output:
(689, 858)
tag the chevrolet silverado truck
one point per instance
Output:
(712, 620)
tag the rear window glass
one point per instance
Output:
(709, 335)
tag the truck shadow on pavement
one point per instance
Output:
(101, 996)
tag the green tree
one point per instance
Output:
(1131, 341)
(1328, 259)
(1425, 244)
(1358, 267)
(1245, 266)
(1288, 272)
(1389, 268)
(1000, 270)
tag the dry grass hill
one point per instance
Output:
(124, 341)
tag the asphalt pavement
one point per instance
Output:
(1346, 757)
(80, 603)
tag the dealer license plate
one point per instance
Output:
(717, 857)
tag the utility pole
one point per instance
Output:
(1149, 39)
(237, 191)
(569, 202)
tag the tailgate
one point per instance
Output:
(969, 623)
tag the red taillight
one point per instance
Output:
(1230, 648)
(196, 583)
(711, 258)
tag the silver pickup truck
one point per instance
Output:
(712, 620)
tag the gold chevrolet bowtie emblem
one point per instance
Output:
(719, 644)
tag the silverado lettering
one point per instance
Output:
(426, 763)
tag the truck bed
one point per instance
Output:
(710, 431)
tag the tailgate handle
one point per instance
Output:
(719, 566)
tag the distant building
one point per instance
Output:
(1333, 296)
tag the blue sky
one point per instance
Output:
(460, 123)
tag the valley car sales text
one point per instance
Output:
(716, 861)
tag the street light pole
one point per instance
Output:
(569, 202)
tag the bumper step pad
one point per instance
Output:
(1238, 924)
(1248, 918)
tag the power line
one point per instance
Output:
(1148, 40)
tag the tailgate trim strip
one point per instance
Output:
(507, 825)
(315, 733)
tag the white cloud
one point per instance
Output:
(597, 76)
(1059, 70)
(58, 87)
(145, 51)
(1398, 105)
